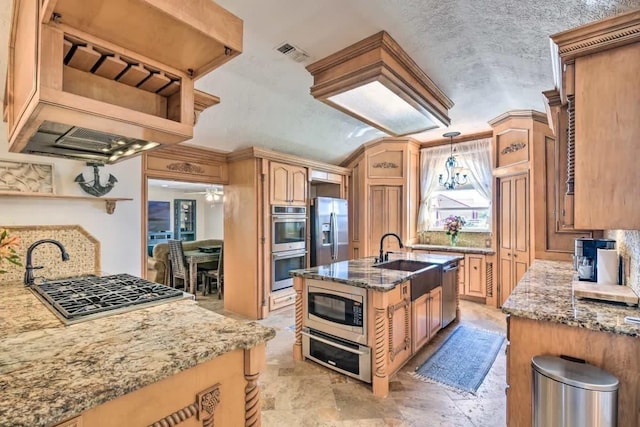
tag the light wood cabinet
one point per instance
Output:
(287, 184)
(476, 280)
(399, 314)
(598, 84)
(258, 178)
(513, 228)
(385, 215)
(426, 313)
(383, 194)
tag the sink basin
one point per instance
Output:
(404, 265)
(424, 281)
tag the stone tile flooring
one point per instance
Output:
(307, 394)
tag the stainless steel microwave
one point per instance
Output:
(288, 228)
(337, 309)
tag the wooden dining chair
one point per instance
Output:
(178, 265)
(216, 275)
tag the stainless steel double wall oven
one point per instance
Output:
(288, 243)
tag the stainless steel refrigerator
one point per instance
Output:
(329, 231)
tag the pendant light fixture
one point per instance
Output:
(453, 171)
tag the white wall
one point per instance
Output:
(209, 218)
(119, 234)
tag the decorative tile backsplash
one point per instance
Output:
(471, 240)
(628, 244)
(83, 250)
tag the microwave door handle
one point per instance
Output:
(333, 344)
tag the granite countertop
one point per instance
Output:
(445, 248)
(361, 272)
(50, 372)
(545, 293)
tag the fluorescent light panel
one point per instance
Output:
(384, 109)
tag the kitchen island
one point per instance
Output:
(173, 361)
(396, 322)
(544, 318)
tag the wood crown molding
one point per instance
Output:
(263, 153)
(202, 101)
(600, 35)
(520, 114)
(553, 97)
(383, 140)
(187, 153)
(457, 139)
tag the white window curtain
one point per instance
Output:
(475, 156)
(432, 161)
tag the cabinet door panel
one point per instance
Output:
(394, 209)
(475, 285)
(435, 311)
(506, 278)
(505, 213)
(420, 322)
(279, 184)
(297, 185)
(520, 229)
(376, 218)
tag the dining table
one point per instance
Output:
(200, 256)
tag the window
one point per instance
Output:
(471, 201)
(465, 202)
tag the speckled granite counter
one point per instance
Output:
(459, 249)
(361, 272)
(546, 293)
(49, 372)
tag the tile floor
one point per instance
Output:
(307, 394)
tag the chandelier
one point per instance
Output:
(451, 165)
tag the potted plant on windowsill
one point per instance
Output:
(8, 246)
(453, 224)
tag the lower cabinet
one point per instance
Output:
(399, 314)
(476, 280)
(283, 298)
(427, 317)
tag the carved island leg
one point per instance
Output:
(254, 363)
(297, 344)
(381, 322)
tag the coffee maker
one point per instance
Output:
(585, 257)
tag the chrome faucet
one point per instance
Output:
(28, 274)
(383, 256)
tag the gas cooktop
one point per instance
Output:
(86, 298)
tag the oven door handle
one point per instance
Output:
(288, 255)
(334, 344)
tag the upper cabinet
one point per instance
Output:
(79, 86)
(597, 96)
(383, 194)
(288, 184)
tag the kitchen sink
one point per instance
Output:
(424, 281)
(405, 265)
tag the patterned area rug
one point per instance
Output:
(463, 360)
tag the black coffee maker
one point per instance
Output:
(585, 257)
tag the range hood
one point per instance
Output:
(80, 87)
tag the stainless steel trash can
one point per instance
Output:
(572, 394)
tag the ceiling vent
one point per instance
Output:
(293, 52)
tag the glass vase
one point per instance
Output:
(454, 239)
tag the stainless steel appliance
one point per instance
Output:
(288, 228)
(329, 231)
(343, 356)
(282, 263)
(86, 298)
(339, 310)
(449, 282)
(586, 257)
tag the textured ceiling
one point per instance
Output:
(488, 56)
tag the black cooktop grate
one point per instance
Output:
(80, 297)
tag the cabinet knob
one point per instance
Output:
(515, 255)
(475, 267)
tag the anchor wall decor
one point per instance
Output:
(94, 187)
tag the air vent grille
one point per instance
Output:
(293, 52)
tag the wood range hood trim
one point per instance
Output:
(379, 58)
(60, 77)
